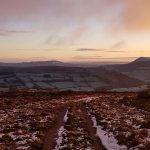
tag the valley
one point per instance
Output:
(62, 78)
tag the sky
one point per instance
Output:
(74, 30)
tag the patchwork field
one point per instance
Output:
(58, 81)
(58, 78)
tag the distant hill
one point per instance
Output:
(35, 63)
(142, 60)
(139, 69)
(56, 63)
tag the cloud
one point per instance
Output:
(12, 32)
(89, 49)
(99, 50)
(118, 45)
(136, 15)
(69, 38)
(116, 51)
(130, 15)
(20, 9)
(58, 12)
(86, 57)
(79, 32)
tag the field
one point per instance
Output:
(39, 120)
(62, 78)
(59, 81)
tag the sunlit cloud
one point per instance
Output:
(86, 57)
(36, 50)
(89, 49)
(136, 15)
(99, 50)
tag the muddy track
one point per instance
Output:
(51, 134)
(92, 131)
(78, 110)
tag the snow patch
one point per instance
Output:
(66, 116)
(61, 132)
(108, 139)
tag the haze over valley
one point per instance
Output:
(61, 76)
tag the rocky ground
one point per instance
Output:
(106, 121)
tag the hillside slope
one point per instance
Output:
(139, 69)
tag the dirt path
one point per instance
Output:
(49, 142)
(92, 131)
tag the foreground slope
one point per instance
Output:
(87, 121)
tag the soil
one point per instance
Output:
(50, 138)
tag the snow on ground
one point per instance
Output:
(66, 116)
(61, 134)
(73, 133)
(23, 122)
(87, 99)
(120, 124)
(107, 139)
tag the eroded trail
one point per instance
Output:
(92, 130)
(77, 132)
(50, 140)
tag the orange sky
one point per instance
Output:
(74, 30)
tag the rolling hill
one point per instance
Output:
(139, 69)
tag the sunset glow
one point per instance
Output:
(74, 30)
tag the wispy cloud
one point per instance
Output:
(116, 51)
(118, 45)
(89, 49)
(99, 50)
(37, 49)
(86, 57)
(13, 32)
(135, 16)
(70, 38)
